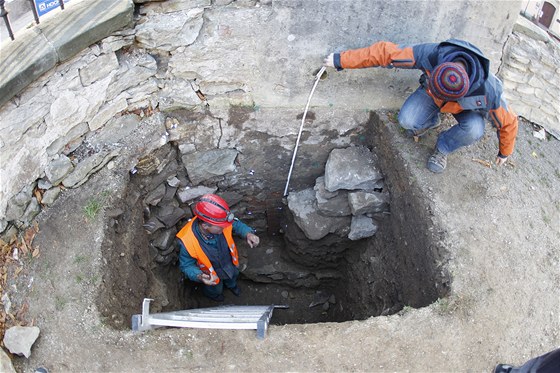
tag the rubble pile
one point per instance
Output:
(345, 201)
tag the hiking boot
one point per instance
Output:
(437, 161)
(216, 298)
(236, 290)
(421, 132)
(503, 368)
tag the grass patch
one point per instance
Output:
(405, 310)
(94, 279)
(394, 117)
(545, 217)
(445, 306)
(59, 303)
(79, 259)
(92, 208)
(96, 204)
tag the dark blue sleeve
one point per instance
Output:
(241, 229)
(424, 56)
(336, 61)
(187, 263)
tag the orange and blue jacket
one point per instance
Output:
(191, 244)
(485, 93)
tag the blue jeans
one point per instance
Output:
(213, 291)
(419, 111)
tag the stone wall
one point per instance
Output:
(531, 75)
(208, 57)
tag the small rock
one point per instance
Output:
(319, 298)
(50, 196)
(44, 184)
(164, 260)
(173, 182)
(19, 339)
(232, 198)
(362, 227)
(5, 363)
(540, 134)
(148, 164)
(153, 225)
(170, 215)
(285, 294)
(58, 169)
(188, 193)
(165, 239)
(155, 196)
(114, 213)
(7, 303)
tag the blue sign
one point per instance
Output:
(45, 6)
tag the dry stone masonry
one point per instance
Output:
(344, 200)
(200, 57)
(169, 189)
(531, 75)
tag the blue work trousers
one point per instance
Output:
(419, 111)
(215, 290)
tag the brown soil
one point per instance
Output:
(492, 232)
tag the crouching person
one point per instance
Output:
(207, 250)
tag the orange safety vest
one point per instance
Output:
(186, 235)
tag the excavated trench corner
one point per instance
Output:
(330, 279)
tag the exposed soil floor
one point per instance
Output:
(500, 228)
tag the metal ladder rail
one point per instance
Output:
(224, 317)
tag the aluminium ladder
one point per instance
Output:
(222, 317)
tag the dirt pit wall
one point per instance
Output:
(330, 279)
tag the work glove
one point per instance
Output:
(501, 160)
(329, 60)
(253, 240)
(207, 279)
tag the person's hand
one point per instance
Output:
(500, 161)
(253, 240)
(329, 60)
(207, 279)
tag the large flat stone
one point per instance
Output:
(39, 49)
(315, 226)
(86, 23)
(23, 61)
(202, 166)
(351, 168)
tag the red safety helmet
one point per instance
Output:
(213, 210)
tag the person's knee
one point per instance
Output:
(475, 130)
(407, 121)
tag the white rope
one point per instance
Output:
(317, 78)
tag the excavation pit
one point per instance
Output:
(330, 279)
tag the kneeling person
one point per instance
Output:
(207, 250)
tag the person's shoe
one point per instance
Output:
(437, 162)
(236, 290)
(216, 298)
(421, 132)
(503, 368)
